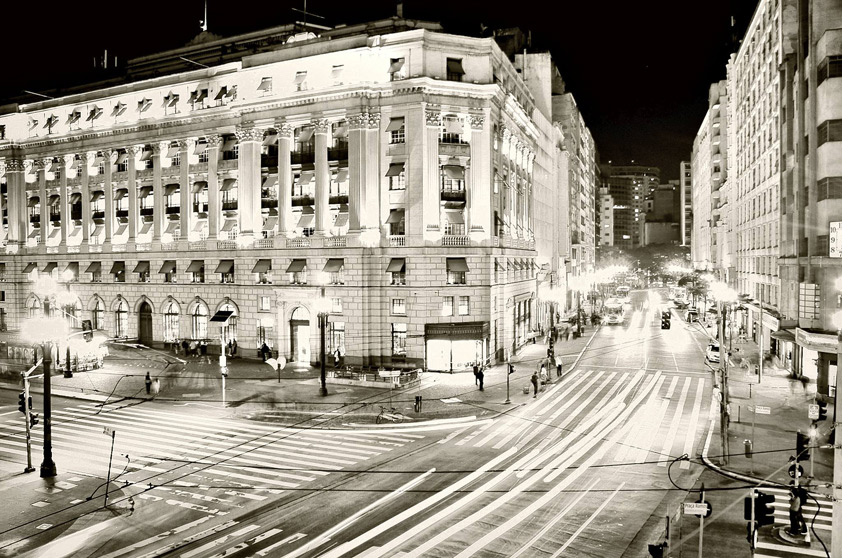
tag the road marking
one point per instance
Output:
(584, 525)
(674, 424)
(221, 540)
(289, 539)
(690, 439)
(792, 549)
(650, 430)
(636, 432)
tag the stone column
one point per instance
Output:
(66, 161)
(479, 188)
(356, 170)
(322, 177)
(285, 224)
(133, 152)
(41, 166)
(372, 176)
(214, 197)
(431, 218)
(248, 206)
(158, 212)
(110, 156)
(15, 203)
(87, 220)
(185, 188)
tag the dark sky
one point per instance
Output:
(639, 71)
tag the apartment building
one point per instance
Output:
(686, 201)
(629, 186)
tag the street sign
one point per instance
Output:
(813, 412)
(108, 431)
(389, 373)
(791, 471)
(699, 509)
(761, 410)
(835, 239)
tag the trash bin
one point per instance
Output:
(747, 444)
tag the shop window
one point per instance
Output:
(399, 306)
(98, 315)
(336, 337)
(399, 339)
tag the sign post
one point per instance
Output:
(108, 431)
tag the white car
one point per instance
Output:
(712, 353)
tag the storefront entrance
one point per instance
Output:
(299, 327)
(456, 347)
(144, 325)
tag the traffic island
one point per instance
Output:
(783, 535)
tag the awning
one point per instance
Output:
(334, 265)
(35, 232)
(229, 144)
(196, 266)
(342, 175)
(54, 199)
(75, 198)
(457, 264)
(33, 201)
(229, 224)
(341, 131)
(122, 158)
(270, 180)
(300, 77)
(305, 134)
(29, 267)
(172, 151)
(395, 169)
(265, 84)
(454, 172)
(50, 266)
(118, 267)
(200, 148)
(54, 232)
(97, 195)
(341, 220)
(396, 65)
(395, 124)
(397, 265)
(454, 66)
(146, 155)
(222, 92)
(143, 105)
(336, 71)
(395, 216)
(227, 184)
(225, 266)
(270, 223)
(262, 266)
(270, 139)
(94, 267)
(141, 267)
(453, 126)
(455, 217)
(199, 186)
(120, 230)
(222, 316)
(306, 221)
(172, 226)
(144, 191)
(783, 335)
(168, 267)
(305, 178)
(171, 189)
(120, 194)
(72, 268)
(201, 224)
(201, 95)
(98, 230)
(145, 228)
(296, 266)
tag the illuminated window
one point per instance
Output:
(399, 306)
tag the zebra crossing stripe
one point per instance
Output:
(637, 430)
(690, 437)
(666, 450)
(773, 547)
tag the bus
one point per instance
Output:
(623, 293)
(614, 311)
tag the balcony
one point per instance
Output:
(267, 203)
(454, 149)
(448, 194)
(397, 240)
(298, 242)
(302, 158)
(338, 198)
(336, 242)
(303, 200)
(230, 205)
(145, 211)
(171, 210)
(339, 153)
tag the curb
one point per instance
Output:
(63, 393)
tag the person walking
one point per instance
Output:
(148, 384)
(476, 374)
(535, 384)
(234, 347)
(797, 525)
(558, 364)
(480, 378)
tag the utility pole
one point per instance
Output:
(723, 367)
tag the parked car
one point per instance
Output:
(712, 353)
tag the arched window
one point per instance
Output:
(200, 322)
(71, 313)
(171, 322)
(229, 330)
(34, 308)
(98, 315)
(121, 319)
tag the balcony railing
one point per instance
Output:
(298, 242)
(455, 240)
(264, 243)
(226, 245)
(336, 242)
(397, 240)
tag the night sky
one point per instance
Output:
(639, 71)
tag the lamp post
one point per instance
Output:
(724, 295)
(43, 331)
(836, 544)
(323, 310)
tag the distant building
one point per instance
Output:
(606, 217)
(686, 201)
(629, 186)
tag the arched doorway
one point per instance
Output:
(299, 327)
(144, 325)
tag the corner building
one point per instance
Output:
(222, 203)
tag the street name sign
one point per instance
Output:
(699, 509)
(108, 431)
(761, 410)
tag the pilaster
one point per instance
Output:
(65, 161)
(87, 219)
(185, 190)
(15, 188)
(110, 156)
(214, 204)
(133, 152)
(248, 205)
(285, 224)
(430, 176)
(158, 211)
(322, 177)
(479, 189)
(41, 166)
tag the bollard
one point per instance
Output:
(747, 444)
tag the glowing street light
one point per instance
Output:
(322, 307)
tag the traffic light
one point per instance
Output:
(802, 443)
(511, 368)
(657, 550)
(88, 328)
(33, 419)
(665, 320)
(764, 513)
(822, 410)
(22, 402)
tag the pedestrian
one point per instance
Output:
(156, 386)
(336, 356)
(794, 512)
(185, 345)
(264, 351)
(234, 347)
(480, 378)
(476, 374)
(148, 384)
(535, 384)
(543, 375)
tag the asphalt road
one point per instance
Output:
(583, 469)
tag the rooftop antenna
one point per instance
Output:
(204, 23)
(306, 13)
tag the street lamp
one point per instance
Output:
(44, 331)
(322, 307)
(724, 295)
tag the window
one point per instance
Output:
(396, 69)
(2, 296)
(447, 306)
(263, 269)
(457, 270)
(3, 326)
(399, 306)
(464, 305)
(168, 270)
(297, 271)
(829, 130)
(336, 337)
(197, 271)
(300, 81)
(263, 303)
(200, 322)
(334, 268)
(396, 176)
(398, 339)
(336, 305)
(397, 130)
(34, 308)
(121, 319)
(229, 332)
(397, 271)
(98, 315)
(397, 222)
(226, 271)
(454, 69)
(265, 86)
(830, 67)
(170, 322)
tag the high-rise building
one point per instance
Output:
(629, 186)
(606, 217)
(810, 70)
(384, 174)
(686, 201)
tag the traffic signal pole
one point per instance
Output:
(29, 468)
(836, 526)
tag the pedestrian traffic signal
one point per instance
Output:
(665, 323)
(22, 402)
(822, 410)
(33, 419)
(657, 550)
(764, 513)
(511, 368)
(802, 443)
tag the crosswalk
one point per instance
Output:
(818, 514)
(665, 426)
(197, 451)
